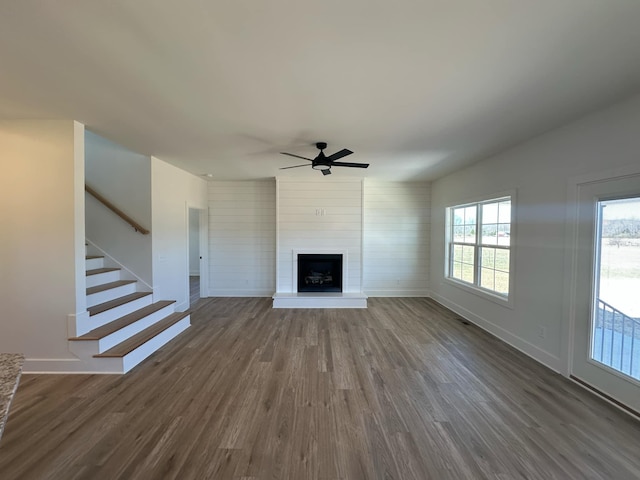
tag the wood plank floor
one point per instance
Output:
(194, 289)
(402, 390)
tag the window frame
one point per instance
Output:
(475, 287)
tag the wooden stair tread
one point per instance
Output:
(96, 271)
(109, 328)
(109, 286)
(144, 336)
(93, 257)
(103, 307)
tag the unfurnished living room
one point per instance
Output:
(330, 240)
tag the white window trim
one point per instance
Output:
(508, 301)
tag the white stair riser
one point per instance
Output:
(93, 263)
(143, 351)
(85, 351)
(102, 278)
(105, 317)
(111, 294)
(123, 334)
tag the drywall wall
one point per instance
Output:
(173, 191)
(124, 178)
(42, 254)
(396, 238)
(242, 238)
(540, 171)
(319, 215)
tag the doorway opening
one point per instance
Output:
(194, 256)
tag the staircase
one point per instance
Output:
(125, 325)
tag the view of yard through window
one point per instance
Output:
(616, 327)
(480, 238)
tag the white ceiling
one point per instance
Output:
(417, 88)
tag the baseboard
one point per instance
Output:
(219, 292)
(268, 293)
(539, 355)
(65, 366)
(397, 293)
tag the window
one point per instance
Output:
(479, 239)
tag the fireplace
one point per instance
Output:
(319, 272)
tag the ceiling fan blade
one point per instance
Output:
(297, 156)
(296, 166)
(342, 153)
(348, 164)
(326, 171)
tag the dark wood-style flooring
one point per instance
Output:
(194, 289)
(402, 390)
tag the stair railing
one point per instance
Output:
(136, 226)
(614, 321)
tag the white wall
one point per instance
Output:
(320, 214)
(243, 221)
(396, 238)
(42, 254)
(173, 191)
(194, 242)
(124, 178)
(540, 171)
(242, 238)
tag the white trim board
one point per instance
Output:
(397, 293)
(230, 292)
(45, 366)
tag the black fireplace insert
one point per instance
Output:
(319, 272)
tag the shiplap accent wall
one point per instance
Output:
(396, 238)
(383, 227)
(322, 214)
(242, 246)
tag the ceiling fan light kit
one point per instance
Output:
(324, 163)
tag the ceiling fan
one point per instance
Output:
(323, 162)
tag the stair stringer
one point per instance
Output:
(109, 261)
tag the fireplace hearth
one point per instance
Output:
(319, 272)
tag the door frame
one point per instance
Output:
(203, 245)
(204, 252)
(572, 259)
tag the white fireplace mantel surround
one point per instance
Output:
(314, 217)
(344, 299)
